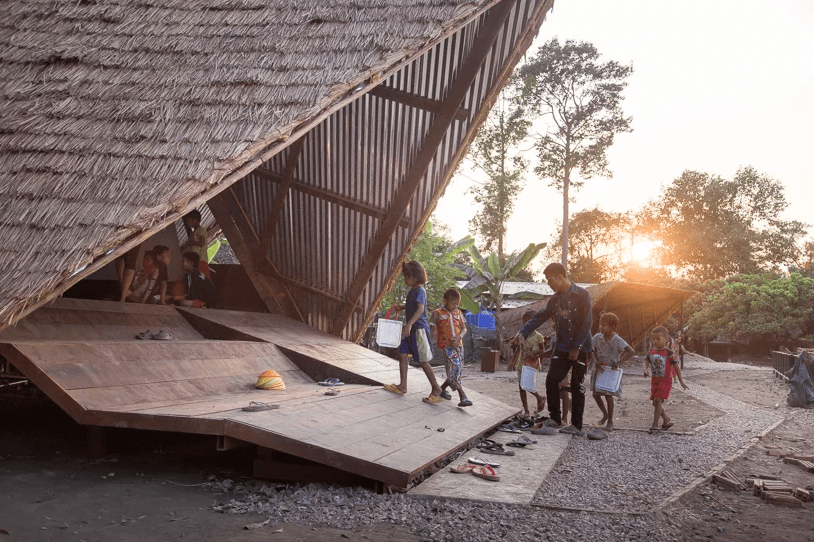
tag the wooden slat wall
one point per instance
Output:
(362, 152)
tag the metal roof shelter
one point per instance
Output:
(320, 135)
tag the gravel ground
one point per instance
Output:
(635, 471)
(356, 509)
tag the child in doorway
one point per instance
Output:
(416, 332)
(531, 350)
(197, 235)
(661, 363)
(447, 329)
(610, 350)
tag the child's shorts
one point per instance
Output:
(453, 363)
(660, 387)
(418, 344)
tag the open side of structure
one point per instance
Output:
(194, 384)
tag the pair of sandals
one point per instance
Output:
(664, 427)
(487, 472)
(493, 448)
(150, 336)
(333, 382)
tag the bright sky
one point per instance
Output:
(717, 84)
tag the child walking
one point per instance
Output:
(610, 350)
(416, 332)
(531, 350)
(447, 329)
(662, 363)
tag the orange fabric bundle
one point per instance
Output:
(269, 380)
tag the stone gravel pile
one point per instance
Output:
(356, 508)
(635, 471)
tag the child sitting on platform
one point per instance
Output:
(150, 284)
(661, 363)
(199, 291)
(610, 351)
(529, 354)
(447, 329)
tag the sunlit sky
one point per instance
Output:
(716, 85)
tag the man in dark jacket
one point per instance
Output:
(570, 306)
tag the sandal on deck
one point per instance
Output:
(255, 406)
(496, 449)
(445, 395)
(162, 336)
(487, 473)
(394, 389)
(463, 469)
(480, 461)
(331, 382)
(433, 399)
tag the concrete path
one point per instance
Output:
(521, 475)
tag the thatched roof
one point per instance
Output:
(639, 307)
(116, 116)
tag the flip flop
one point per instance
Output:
(162, 336)
(487, 473)
(480, 462)
(255, 406)
(487, 442)
(145, 335)
(508, 428)
(597, 434)
(516, 444)
(653, 430)
(465, 403)
(463, 469)
(525, 440)
(445, 394)
(394, 389)
(496, 450)
(331, 382)
(666, 427)
(433, 399)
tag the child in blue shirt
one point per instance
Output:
(416, 332)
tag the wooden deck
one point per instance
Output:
(82, 354)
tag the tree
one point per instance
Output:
(580, 99)
(436, 251)
(495, 153)
(711, 227)
(593, 238)
(756, 307)
(485, 288)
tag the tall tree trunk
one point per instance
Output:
(565, 182)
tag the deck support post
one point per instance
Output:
(96, 443)
(457, 90)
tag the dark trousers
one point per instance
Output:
(560, 364)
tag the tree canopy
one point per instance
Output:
(495, 153)
(580, 99)
(712, 227)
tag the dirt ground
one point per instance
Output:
(150, 485)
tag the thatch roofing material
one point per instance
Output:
(115, 115)
(639, 307)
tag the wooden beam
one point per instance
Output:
(457, 91)
(332, 197)
(244, 241)
(282, 191)
(416, 101)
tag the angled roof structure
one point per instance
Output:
(320, 133)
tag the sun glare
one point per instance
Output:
(641, 251)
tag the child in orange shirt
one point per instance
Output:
(447, 328)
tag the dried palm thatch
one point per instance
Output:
(115, 116)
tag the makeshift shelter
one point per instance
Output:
(639, 307)
(320, 135)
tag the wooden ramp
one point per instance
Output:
(199, 386)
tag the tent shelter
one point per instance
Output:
(320, 135)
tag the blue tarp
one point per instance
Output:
(484, 319)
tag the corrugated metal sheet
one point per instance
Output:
(351, 166)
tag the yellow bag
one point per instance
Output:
(269, 380)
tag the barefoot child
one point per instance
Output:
(662, 363)
(610, 350)
(531, 350)
(447, 328)
(416, 332)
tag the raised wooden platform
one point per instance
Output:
(198, 385)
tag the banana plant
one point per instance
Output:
(485, 287)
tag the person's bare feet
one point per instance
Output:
(609, 426)
(540, 404)
(602, 421)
